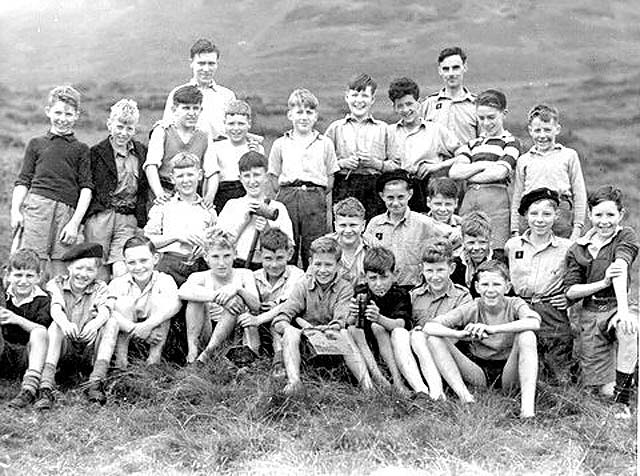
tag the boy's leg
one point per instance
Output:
(37, 348)
(427, 364)
(251, 338)
(104, 346)
(195, 316)
(401, 344)
(125, 317)
(383, 338)
(288, 197)
(626, 360)
(355, 362)
(222, 331)
(291, 356)
(360, 340)
(159, 336)
(522, 368)
(313, 205)
(54, 349)
(278, 363)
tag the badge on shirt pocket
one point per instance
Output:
(439, 105)
(379, 236)
(519, 254)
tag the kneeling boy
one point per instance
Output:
(502, 345)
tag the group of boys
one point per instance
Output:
(402, 280)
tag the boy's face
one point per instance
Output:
(204, 67)
(605, 218)
(253, 181)
(186, 180)
(442, 207)
(360, 102)
(452, 70)
(186, 115)
(380, 283)
(121, 131)
(491, 121)
(492, 287)
(220, 260)
(325, 267)
(302, 118)
(396, 196)
(22, 281)
(408, 108)
(348, 229)
(477, 247)
(541, 216)
(544, 133)
(436, 275)
(63, 117)
(275, 262)
(82, 272)
(140, 263)
(236, 127)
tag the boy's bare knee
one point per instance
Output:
(527, 341)
(291, 335)
(39, 337)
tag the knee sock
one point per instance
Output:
(48, 379)
(99, 372)
(31, 380)
(622, 390)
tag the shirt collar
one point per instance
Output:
(505, 135)
(117, 151)
(313, 283)
(467, 95)
(261, 275)
(316, 136)
(425, 289)
(422, 125)
(197, 201)
(68, 137)
(526, 236)
(213, 85)
(407, 215)
(152, 281)
(350, 118)
(66, 286)
(587, 239)
(534, 150)
(35, 292)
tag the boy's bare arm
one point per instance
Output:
(70, 231)
(462, 169)
(193, 291)
(19, 194)
(8, 317)
(436, 329)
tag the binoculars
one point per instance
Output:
(362, 299)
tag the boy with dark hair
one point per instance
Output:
(24, 318)
(424, 149)
(247, 217)
(349, 223)
(302, 163)
(550, 164)
(53, 190)
(361, 146)
(454, 105)
(180, 135)
(388, 307)
(118, 203)
(442, 201)
(204, 57)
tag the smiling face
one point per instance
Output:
(220, 261)
(186, 115)
(63, 117)
(544, 133)
(476, 247)
(121, 131)
(236, 127)
(302, 118)
(436, 275)
(452, 70)
(140, 263)
(442, 207)
(204, 67)
(186, 180)
(253, 181)
(349, 230)
(541, 216)
(275, 262)
(82, 272)
(408, 108)
(380, 283)
(360, 102)
(23, 281)
(492, 287)
(605, 218)
(396, 196)
(325, 267)
(491, 121)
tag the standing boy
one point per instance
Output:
(361, 147)
(303, 162)
(549, 164)
(24, 320)
(118, 203)
(53, 190)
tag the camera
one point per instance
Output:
(264, 210)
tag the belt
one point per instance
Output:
(125, 210)
(539, 299)
(299, 184)
(478, 186)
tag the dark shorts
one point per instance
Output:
(15, 335)
(492, 369)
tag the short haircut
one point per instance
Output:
(220, 239)
(65, 94)
(492, 98)
(492, 266)
(202, 45)
(24, 258)
(379, 260)
(302, 98)
(604, 194)
(349, 207)
(476, 224)
(184, 160)
(437, 250)
(402, 87)
(126, 110)
(543, 112)
(452, 51)
(443, 186)
(251, 160)
(188, 94)
(139, 240)
(275, 239)
(361, 82)
(326, 244)
(238, 107)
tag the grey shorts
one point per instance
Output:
(111, 230)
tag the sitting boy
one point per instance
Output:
(173, 139)
(349, 223)
(476, 249)
(24, 319)
(436, 295)
(400, 229)
(82, 327)
(537, 268)
(388, 307)
(118, 203)
(320, 303)
(221, 294)
(143, 301)
(501, 340)
(238, 141)
(247, 217)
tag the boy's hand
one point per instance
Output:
(365, 159)
(224, 294)
(162, 198)
(69, 233)
(575, 234)
(615, 270)
(70, 330)
(350, 163)
(373, 313)
(155, 337)
(248, 320)
(267, 306)
(89, 333)
(559, 301)
(624, 323)
(208, 202)
(141, 331)
(353, 309)
(261, 224)
(235, 305)
(423, 170)
(194, 239)
(17, 219)
(6, 316)
(477, 330)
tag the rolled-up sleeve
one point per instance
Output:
(295, 305)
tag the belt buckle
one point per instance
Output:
(303, 187)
